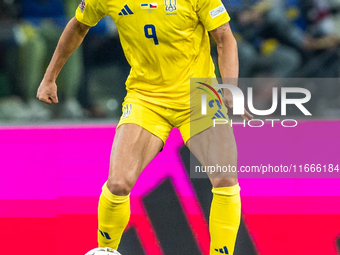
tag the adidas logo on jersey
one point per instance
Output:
(125, 11)
(223, 250)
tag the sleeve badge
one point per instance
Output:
(82, 6)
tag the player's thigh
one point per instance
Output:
(132, 150)
(216, 146)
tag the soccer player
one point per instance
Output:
(166, 43)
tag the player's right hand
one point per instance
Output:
(47, 92)
(228, 102)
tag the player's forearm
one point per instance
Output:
(69, 41)
(228, 59)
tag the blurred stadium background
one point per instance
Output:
(54, 159)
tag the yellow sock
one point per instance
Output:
(113, 216)
(225, 216)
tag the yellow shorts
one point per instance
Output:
(159, 120)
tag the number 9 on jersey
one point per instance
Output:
(150, 33)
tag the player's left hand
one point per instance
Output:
(228, 102)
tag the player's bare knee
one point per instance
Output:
(223, 182)
(118, 187)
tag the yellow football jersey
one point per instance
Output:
(165, 42)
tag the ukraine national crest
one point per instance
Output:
(170, 5)
(127, 110)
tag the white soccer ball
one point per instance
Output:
(103, 251)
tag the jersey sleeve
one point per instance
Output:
(90, 12)
(212, 13)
